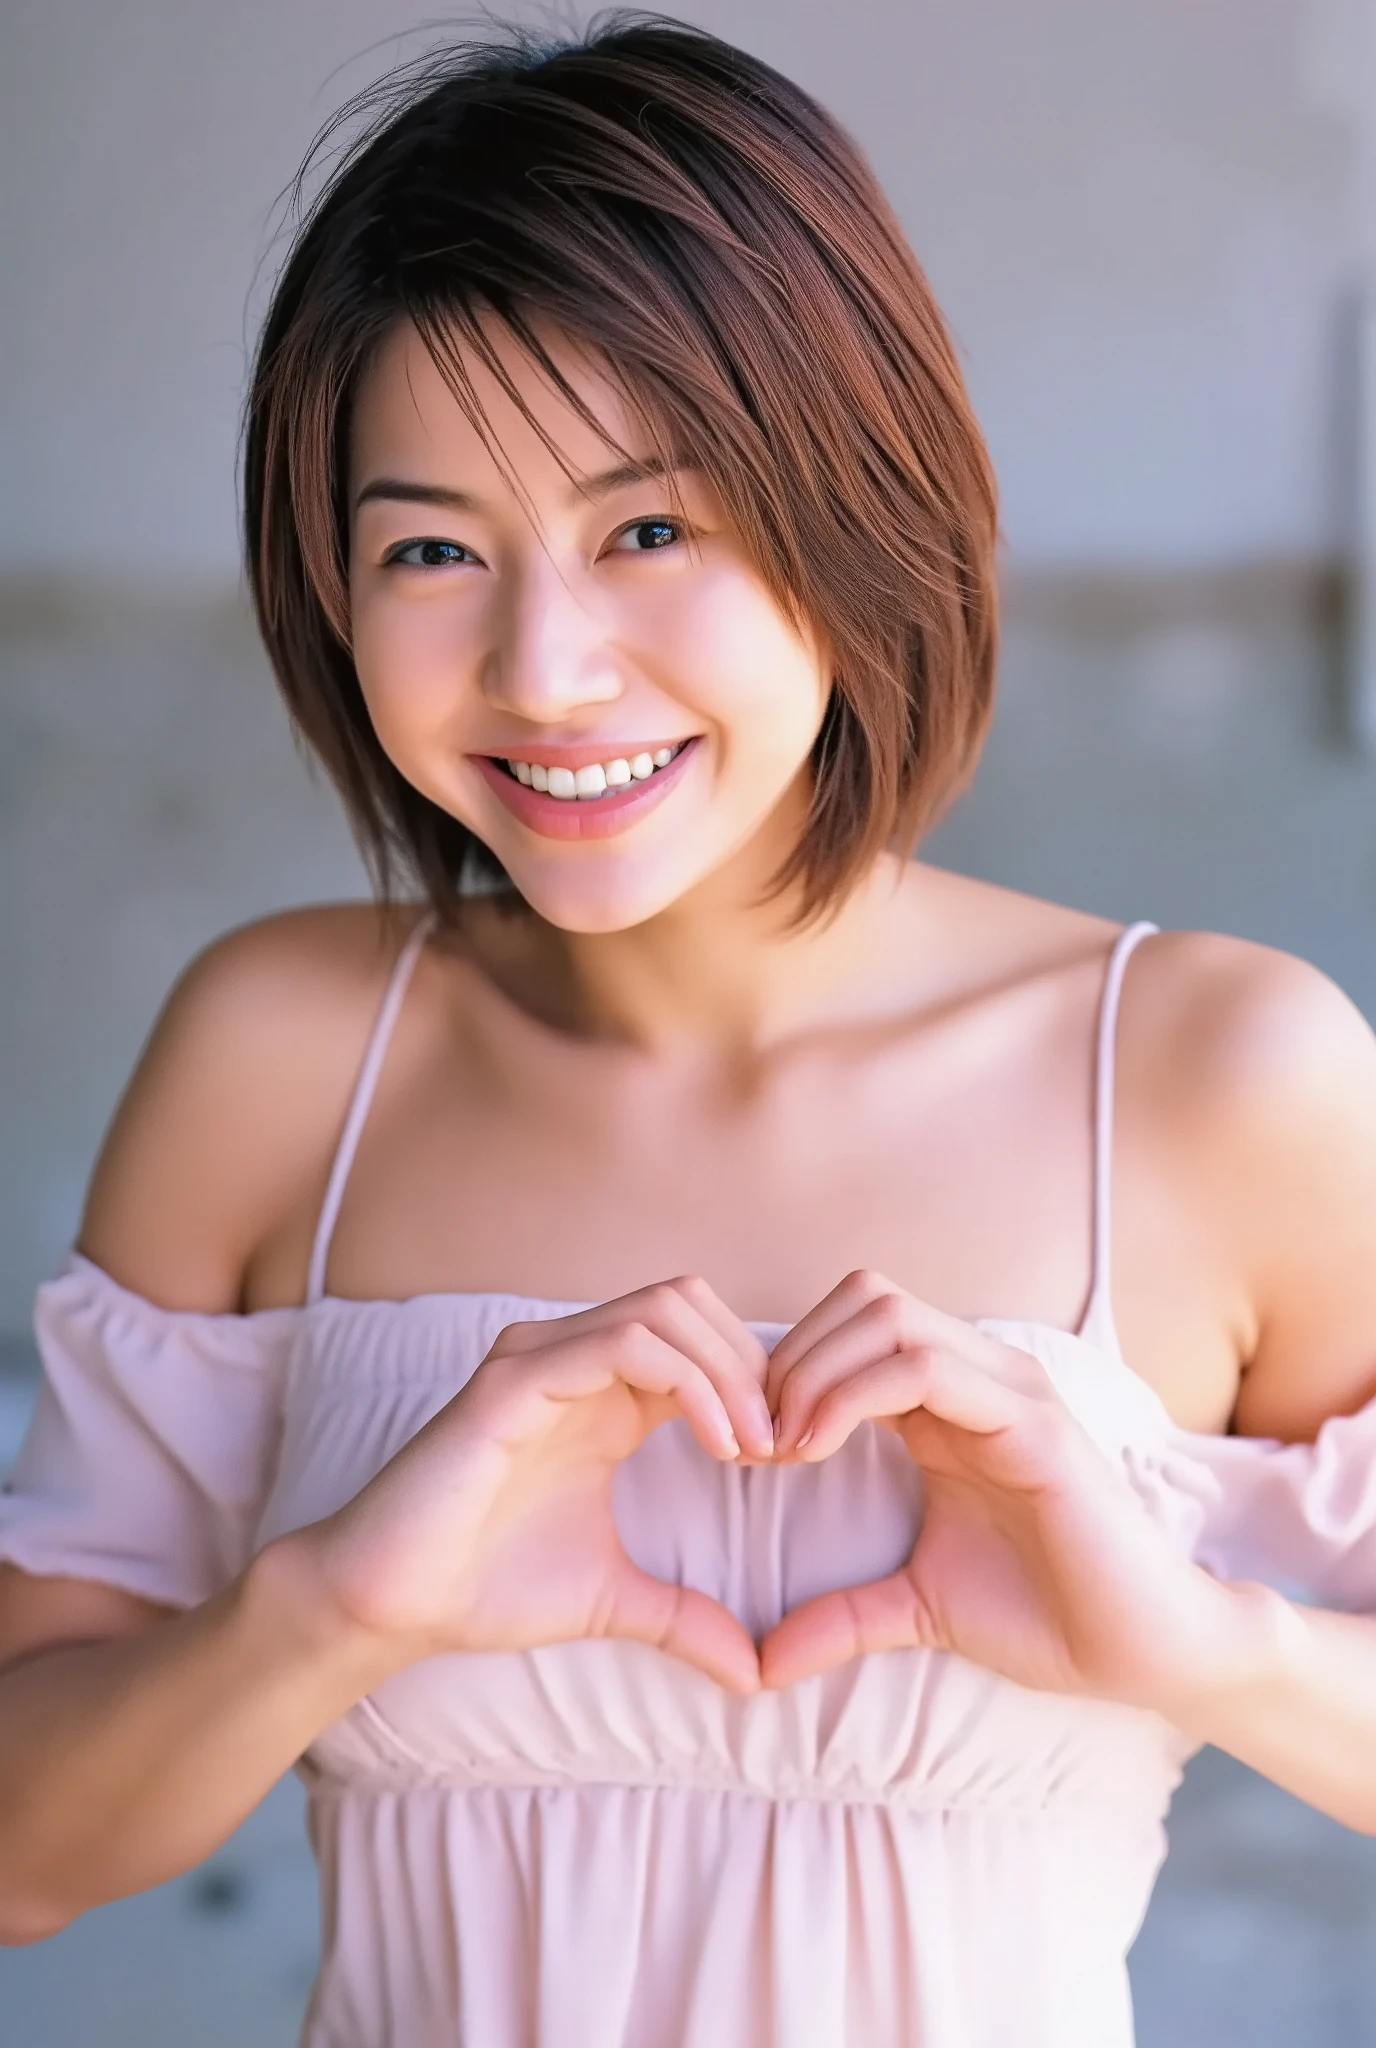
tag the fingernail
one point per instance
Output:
(778, 1427)
(733, 1449)
(805, 1438)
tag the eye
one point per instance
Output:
(647, 536)
(430, 554)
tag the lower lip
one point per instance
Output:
(595, 817)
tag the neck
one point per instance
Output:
(718, 973)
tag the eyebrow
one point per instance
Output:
(400, 490)
(608, 480)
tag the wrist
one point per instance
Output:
(289, 1601)
(1256, 1641)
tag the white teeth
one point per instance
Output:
(597, 777)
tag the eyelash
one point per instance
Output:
(395, 558)
(678, 527)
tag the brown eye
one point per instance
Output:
(648, 536)
(430, 554)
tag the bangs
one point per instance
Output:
(456, 336)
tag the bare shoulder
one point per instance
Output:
(1259, 1073)
(236, 1100)
(1249, 1037)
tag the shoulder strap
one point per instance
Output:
(1097, 1325)
(361, 1100)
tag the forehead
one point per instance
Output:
(407, 416)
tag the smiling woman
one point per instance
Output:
(532, 624)
(617, 1375)
(638, 263)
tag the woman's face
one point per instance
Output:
(599, 686)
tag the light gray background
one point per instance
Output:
(1148, 223)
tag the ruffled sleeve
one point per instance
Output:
(152, 1442)
(1301, 1517)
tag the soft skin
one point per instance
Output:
(593, 616)
(648, 1091)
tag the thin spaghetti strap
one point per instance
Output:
(1098, 1326)
(361, 1100)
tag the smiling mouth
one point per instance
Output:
(595, 779)
(596, 799)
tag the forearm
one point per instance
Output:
(125, 1762)
(1302, 1709)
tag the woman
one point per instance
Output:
(804, 1650)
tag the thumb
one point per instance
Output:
(684, 1623)
(835, 1627)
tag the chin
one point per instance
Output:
(578, 911)
(609, 903)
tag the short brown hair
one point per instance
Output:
(722, 245)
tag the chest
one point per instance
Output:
(955, 1155)
(585, 1177)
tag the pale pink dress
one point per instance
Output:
(591, 1845)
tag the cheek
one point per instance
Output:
(409, 660)
(740, 662)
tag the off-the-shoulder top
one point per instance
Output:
(591, 1845)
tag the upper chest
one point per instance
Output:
(953, 1152)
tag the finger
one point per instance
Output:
(945, 1387)
(644, 1305)
(845, 1300)
(639, 1358)
(887, 1326)
(688, 1316)
(835, 1627)
(728, 1325)
(686, 1624)
(893, 1318)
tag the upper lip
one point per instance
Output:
(583, 753)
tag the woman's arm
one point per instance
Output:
(1305, 1717)
(1276, 1078)
(134, 1737)
(125, 1761)
(491, 1529)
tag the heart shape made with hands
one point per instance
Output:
(1032, 1554)
(1015, 1542)
(761, 1537)
(866, 1353)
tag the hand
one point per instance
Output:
(1034, 1557)
(492, 1529)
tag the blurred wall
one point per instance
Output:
(1140, 219)
(1145, 222)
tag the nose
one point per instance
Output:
(550, 653)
